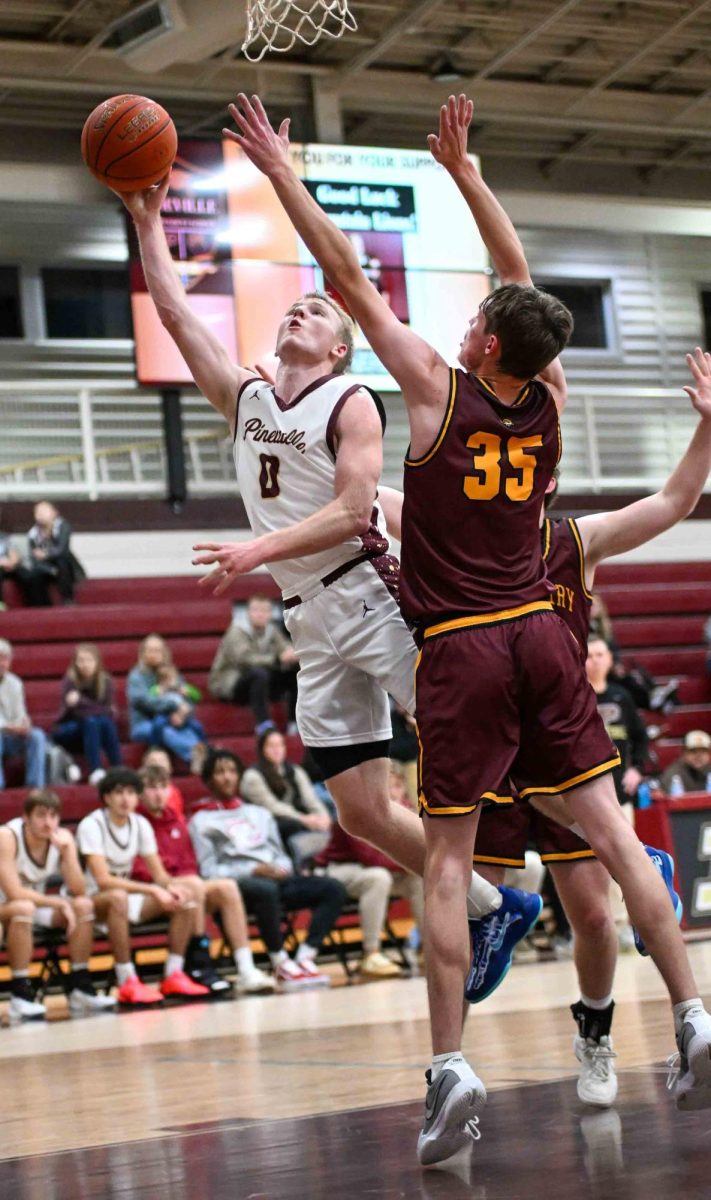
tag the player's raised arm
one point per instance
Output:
(391, 503)
(217, 377)
(607, 534)
(449, 148)
(359, 461)
(420, 371)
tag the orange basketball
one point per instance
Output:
(129, 143)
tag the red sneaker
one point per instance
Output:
(180, 984)
(135, 993)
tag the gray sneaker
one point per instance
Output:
(452, 1106)
(690, 1075)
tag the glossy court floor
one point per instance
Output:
(303, 1097)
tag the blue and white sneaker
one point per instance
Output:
(494, 938)
(665, 865)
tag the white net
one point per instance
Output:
(277, 25)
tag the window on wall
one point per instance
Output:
(10, 311)
(590, 304)
(87, 302)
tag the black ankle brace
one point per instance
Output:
(594, 1023)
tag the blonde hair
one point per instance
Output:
(98, 681)
(154, 637)
(346, 331)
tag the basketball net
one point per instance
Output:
(277, 25)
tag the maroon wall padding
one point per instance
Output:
(641, 573)
(659, 631)
(51, 661)
(658, 598)
(99, 622)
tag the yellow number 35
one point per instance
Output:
(487, 463)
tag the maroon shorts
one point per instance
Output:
(505, 698)
(505, 831)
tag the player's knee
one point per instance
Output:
(117, 903)
(21, 910)
(593, 922)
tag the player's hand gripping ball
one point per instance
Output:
(129, 143)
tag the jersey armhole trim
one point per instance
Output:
(572, 525)
(546, 537)
(335, 414)
(420, 462)
(252, 379)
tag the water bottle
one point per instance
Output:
(644, 795)
(676, 787)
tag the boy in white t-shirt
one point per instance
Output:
(109, 840)
(34, 851)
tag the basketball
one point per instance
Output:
(129, 143)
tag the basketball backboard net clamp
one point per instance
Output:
(275, 26)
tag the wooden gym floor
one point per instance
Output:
(303, 1097)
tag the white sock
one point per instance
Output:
(244, 961)
(124, 971)
(173, 963)
(80, 966)
(575, 828)
(439, 1061)
(482, 897)
(596, 1005)
(279, 956)
(686, 1008)
(305, 952)
(20, 974)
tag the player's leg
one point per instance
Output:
(502, 836)
(583, 886)
(81, 996)
(112, 909)
(181, 927)
(223, 897)
(16, 917)
(371, 887)
(595, 808)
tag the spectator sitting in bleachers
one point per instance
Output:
(220, 896)
(372, 879)
(286, 791)
(255, 665)
(110, 839)
(163, 719)
(156, 757)
(692, 771)
(17, 733)
(34, 853)
(241, 841)
(87, 721)
(50, 558)
(9, 562)
(622, 720)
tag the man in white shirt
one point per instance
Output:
(17, 733)
(33, 852)
(109, 840)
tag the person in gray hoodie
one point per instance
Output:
(241, 841)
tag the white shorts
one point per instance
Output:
(353, 648)
(43, 918)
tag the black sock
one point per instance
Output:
(593, 1023)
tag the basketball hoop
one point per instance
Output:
(277, 25)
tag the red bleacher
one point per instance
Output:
(659, 611)
(116, 615)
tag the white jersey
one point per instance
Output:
(32, 874)
(119, 844)
(285, 458)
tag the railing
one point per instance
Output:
(104, 438)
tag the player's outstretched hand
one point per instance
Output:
(265, 148)
(449, 145)
(699, 363)
(147, 202)
(230, 560)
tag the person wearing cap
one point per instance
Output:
(692, 771)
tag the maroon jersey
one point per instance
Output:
(470, 521)
(565, 563)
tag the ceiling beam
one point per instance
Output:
(644, 50)
(400, 25)
(532, 34)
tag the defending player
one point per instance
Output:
(33, 852)
(495, 658)
(572, 551)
